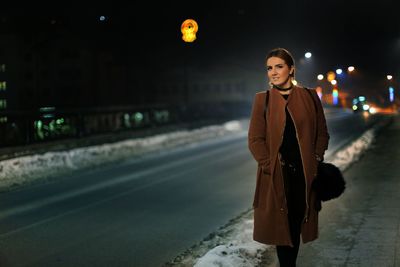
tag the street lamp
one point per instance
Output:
(389, 77)
(308, 55)
(351, 69)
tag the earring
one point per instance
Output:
(270, 84)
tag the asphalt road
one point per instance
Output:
(140, 212)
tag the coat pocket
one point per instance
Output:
(263, 189)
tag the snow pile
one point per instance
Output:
(352, 152)
(232, 255)
(231, 245)
(26, 169)
(239, 249)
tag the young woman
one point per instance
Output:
(287, 137)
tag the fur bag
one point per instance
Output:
(329, 183)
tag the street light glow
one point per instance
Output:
(102, 18)
(320, 77)
(339, 71)
(350, 69)
(330, 76)
(189, 29)
(335, 96)
(333, 82)
(308, 54)
(391, 94)
(389, 77)
(372, 110)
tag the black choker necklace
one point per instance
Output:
(283, 89)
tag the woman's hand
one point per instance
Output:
(318, 158)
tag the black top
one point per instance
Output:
(290, 148)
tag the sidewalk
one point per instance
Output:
(362, 227)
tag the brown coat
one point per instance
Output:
(271, 224)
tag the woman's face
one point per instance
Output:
(278, 72)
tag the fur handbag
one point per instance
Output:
(329, 183)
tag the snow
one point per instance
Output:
(232, 245)
(27, 169)
(238, 248)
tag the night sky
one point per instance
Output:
(365, 34)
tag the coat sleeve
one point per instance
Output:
(322, 139)
(257, 140)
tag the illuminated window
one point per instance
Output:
(3, 103)
(2, 67)
(3, 86)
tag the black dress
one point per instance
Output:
(294, 183)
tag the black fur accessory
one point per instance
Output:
(329, 183)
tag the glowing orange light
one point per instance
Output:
(189, 29)
(330, 76)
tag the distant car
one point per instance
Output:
(360, 104)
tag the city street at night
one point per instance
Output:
(140, 212)
(194, 134)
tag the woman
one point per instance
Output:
(287, 139)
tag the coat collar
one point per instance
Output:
(277, 95)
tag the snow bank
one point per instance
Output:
(26, 169)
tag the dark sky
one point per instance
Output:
(336, 30)
(340, 33)
(363, 33)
